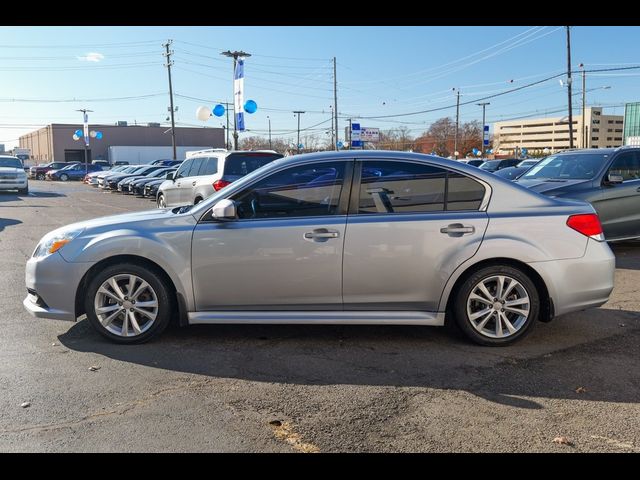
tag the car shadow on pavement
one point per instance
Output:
(627, 254)
(8, 222)
(19, 197)
(554, 361)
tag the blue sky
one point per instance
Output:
(381, 71)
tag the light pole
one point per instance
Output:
(569, 81)
(85, 125)
(235, 54)
(455, 140)
(298, 112)
(483, 105)
(269, 118)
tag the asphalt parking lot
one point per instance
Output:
(305, 388)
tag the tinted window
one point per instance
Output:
(295, 192)
(401, 187)
(184, 168)
(195, 166)
(463, 193)
(243, 163)
(628, 165)
(210, 166)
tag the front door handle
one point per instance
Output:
(638, 189)
(321, 235)
(457, 229)
(193, 184)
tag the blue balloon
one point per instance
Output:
(78, 132)
(218, 110)
(99, 135)
(300, 146)
(339, 144)
(524, 151)
(250, 106)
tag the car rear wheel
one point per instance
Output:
(496, 305)
(64, 177)
(24, 191)
(128, 303)
(161, 201)
(40, 176)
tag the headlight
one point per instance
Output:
(51, 243)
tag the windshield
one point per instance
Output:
(569, 166)
(490, 165)
(10, 162)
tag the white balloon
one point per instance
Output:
(76, 137)
(203, 113)
(92, 134)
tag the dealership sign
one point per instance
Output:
(370, 134)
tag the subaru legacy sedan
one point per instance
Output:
(370, 237)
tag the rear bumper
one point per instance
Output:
(580, 283)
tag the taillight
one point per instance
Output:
(220, 184)
(587, 224)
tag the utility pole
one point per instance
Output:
(349, 134)
(483, 105)
(298, 112)
(85, 127)
(584, 107)
(569, 86)
(455, 140)
(333, 139)
(335, 103)
(168, 54)
(235, 54)
(269, 118)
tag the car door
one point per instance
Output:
(410, 225)
(172, 190)
(618, 204)
(284, 251)
(189, 181)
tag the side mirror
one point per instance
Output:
(170, 175)
(224, 210)
(613, 178)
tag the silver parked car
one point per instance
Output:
(206, 172)
(366, 237)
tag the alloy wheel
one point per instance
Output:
(498, 306)
(126, 305)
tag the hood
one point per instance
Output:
(552, 187)
(10, 170)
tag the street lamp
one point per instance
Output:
(298, 112)
(85, 133)
(269, 118)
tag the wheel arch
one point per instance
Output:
(546, 302)
(179, 305)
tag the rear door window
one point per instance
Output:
(210, 167)
(240, 164)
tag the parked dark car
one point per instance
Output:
(136, 187)
(141, 170)
(608, 178)
(513, 173)
(151, 189)
(39, 172)
(124, 185)
(103, 163)
(120, 162)
(495, 165)
(73, 172)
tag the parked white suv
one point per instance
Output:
(207, 171)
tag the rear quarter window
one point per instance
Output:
(242, 164)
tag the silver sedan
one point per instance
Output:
(367, 237)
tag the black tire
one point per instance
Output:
(40, 176)
(24, 191)
(156, 282)
(64, 177)
(462, 293)
(160, 200)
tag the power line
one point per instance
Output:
(70, 100)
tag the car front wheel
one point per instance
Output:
(161, 201)
(496, 305)
(64, 177)
(128, 303)
(40, 176)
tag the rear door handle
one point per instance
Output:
(321, 235)
(193, 184)
(457, 229)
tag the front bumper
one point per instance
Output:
(53, 282)
(580, 283)
(13, 184)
